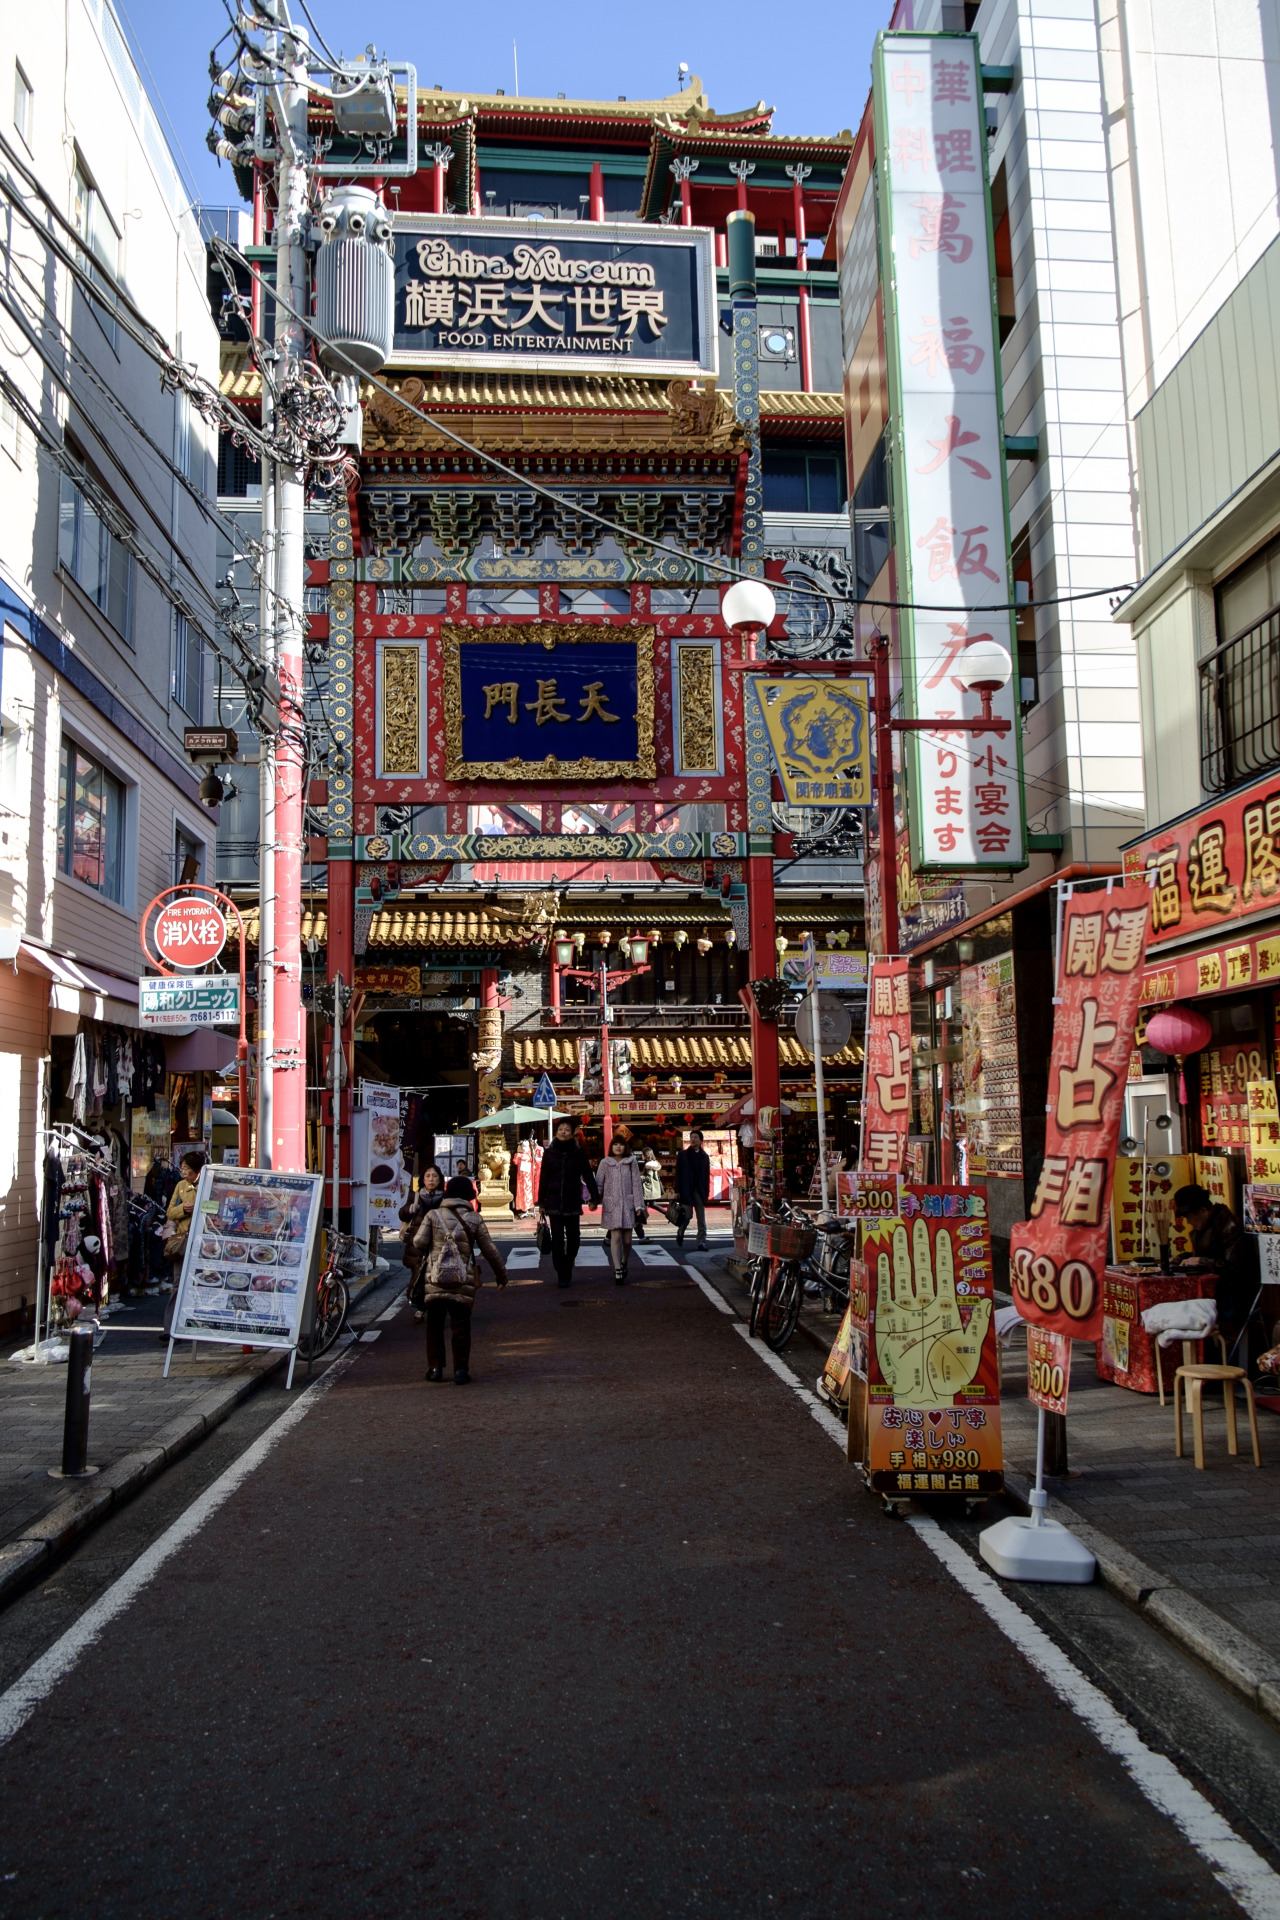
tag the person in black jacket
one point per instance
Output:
(565, 1170)
(693, 1186)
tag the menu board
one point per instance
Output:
(1225, 1073)
(1130, 1220)
(992, 1101)
(244, 1277)
(387, 1183)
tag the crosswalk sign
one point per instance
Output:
(546, 1093)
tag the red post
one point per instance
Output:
(340, 959)
(605, 1062)
(722, 249)
(806, 343)
(597, 191)
(883, 719)
(686, 203)
(437, 187)
(555, 992)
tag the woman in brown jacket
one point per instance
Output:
(448, 1239)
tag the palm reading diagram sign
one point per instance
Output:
(933, 1394)
(950, 510)
(1058, 1256)
(886, 1086)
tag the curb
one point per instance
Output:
(55, 1532)
(1248, 1668)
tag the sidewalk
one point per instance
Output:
(139, 1424)
(1195, 1551)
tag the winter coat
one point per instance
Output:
(454, 1221)
(565, 1167)
(621, 1191)
(179, 1214)
(413, 1213)
(693, 1175)
(651, 1174)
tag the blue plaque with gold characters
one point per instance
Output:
(819, 733)
(548, 702)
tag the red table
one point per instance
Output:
(1126, 1351)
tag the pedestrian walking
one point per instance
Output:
(693, 1188)
(179, 1214)
(415, 1210)
(621, 1203)
(565, 1177)
(651, 1174)
(449, 1237)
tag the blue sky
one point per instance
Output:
(811, 63)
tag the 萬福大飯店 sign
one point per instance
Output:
(545, 702)
(593, 297)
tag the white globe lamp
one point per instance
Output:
(748, 608)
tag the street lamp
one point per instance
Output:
(749, 608)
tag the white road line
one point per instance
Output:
(389, 1313)
(1236, 1865)
(1242, 1871)
(716, 1299)
(19, 1702)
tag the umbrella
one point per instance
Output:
(513, 1116)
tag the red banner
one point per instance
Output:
(886, 1073)
(1058, 1256)
(1214, 866)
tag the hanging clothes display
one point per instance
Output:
(81, 1184)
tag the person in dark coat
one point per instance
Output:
(693, 1186)
(415, 1210)
(565, 1171)
(1220, 1244)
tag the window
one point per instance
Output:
(186, 666)
(10, 428)
(96, 560)
(91, 817)
(803, 482)
(10, 761)
(871, 536)
(1240, 678)
(24, 100)
(188, 858)
(189, 454)
(239, 471)
(97, 230)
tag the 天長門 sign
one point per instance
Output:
(569, 297)
(548, 703)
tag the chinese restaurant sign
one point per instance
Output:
(820, 738)
(570, 298)
(950, 511)
(886, 1091)
(929, 1346)
(1214, 866)
(548, 703)
(1057, 1257)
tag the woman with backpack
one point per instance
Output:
(448, 1239)
(565, 1178)
(622, 1205)
(429, 1196)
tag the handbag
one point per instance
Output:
(175, 1246)
(543, 1237)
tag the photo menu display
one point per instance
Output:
(248, 1256)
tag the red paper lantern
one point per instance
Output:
(1178, 1031)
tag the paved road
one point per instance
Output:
(611, 1631)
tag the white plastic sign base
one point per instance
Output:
(1017, 1549)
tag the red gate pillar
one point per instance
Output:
(764, 966)
(340, 959)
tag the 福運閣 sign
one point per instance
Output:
(575, 297)
(1217, 865)
(548, 703)
(819, 734)
(950, 513)
(1057, 1257)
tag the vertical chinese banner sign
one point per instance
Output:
(1059, 1255)
(886, 1071)
(950, 504)
(932, 1373)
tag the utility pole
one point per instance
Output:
(285, 1144)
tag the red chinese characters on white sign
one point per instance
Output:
(886, 1095)
(950, 521)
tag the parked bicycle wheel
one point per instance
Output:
(331, 1317)
(782, 1305)
(759, 1284)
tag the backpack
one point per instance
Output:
(445, 1265)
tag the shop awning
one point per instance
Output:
(86, 992)
(667, 1052)
(409, 927)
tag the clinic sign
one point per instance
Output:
(563, 296)
(950, 507)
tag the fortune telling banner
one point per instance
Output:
(886, 1095)
(1058, 1256)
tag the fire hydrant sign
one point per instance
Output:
(189, 933)
(933, 1394)
(1057, 1257)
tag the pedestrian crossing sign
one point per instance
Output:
(546, 1093)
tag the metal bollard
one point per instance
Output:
(75, 1423)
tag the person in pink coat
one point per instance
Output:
(622, 1202)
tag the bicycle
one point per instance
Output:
(778, 1283)
(331, 1303)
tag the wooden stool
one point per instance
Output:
(1195, 1378)
(1187, 1361)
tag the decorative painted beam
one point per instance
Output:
(573, 847)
